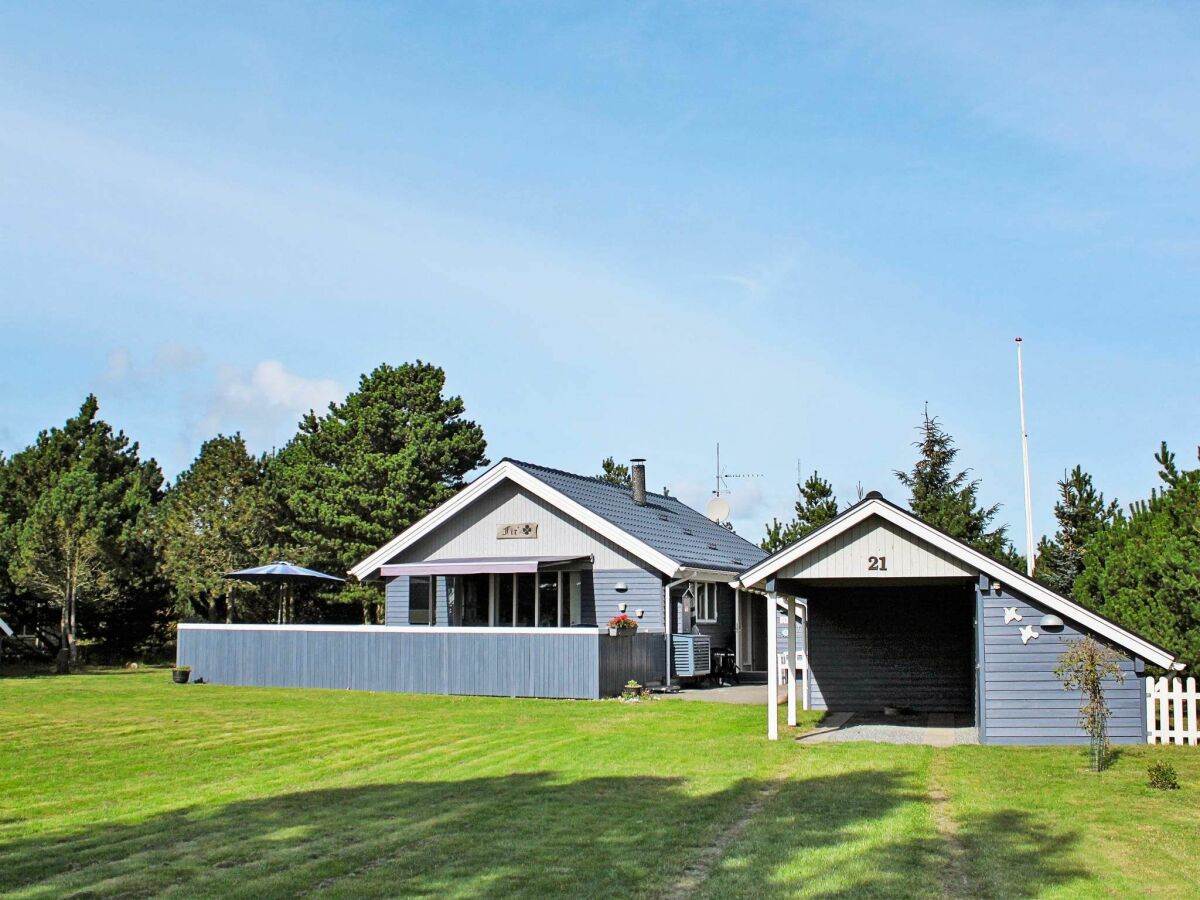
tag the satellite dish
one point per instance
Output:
(717, 509)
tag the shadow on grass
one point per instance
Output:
(526, 834)
(868, 834)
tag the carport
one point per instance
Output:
(901, 619)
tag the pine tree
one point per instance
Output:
(615, 473)
(75, 530)
(1081, 513)
(354, 478)
(949, 500)
(815, 506)
(216, 518)
(1143, 571)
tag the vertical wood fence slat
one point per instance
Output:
(1171, 711)
(1193, 723)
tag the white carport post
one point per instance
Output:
(791, 661)
(772, 669)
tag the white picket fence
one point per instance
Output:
(1171, 712)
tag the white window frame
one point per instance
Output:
(705, 601)
(562, 599)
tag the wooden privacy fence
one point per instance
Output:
(1171, 711)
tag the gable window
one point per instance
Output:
(706, 602)
(421, 608)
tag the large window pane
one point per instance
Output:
(547, 599)
(475, 600)
(526, 586)
(420, 600)
(504, 599)
(573, 601)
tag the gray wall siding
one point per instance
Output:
(1024, 703)
(472, 533)
(497, 663)
(639, 656)
(846, 556)
(644, 592)
(395, 594)
(396, 600)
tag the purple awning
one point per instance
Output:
(478, 566)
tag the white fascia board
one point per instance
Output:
(970, 555)
(419, 529)
(502, 472)
(691, 573)
(763, 570)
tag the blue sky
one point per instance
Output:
(627, 229)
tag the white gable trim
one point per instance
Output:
(756, 576)
(500, 473)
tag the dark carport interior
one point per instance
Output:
(909, 647)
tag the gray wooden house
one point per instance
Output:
(899, 614)
(507, 589)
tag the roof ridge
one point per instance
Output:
(596, 478)
(657, 498)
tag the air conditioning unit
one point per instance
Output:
(691, 655)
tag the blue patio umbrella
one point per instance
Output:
(283, 574)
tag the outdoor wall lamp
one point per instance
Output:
(1051, 623)
(620, 587)
(621, 606)
(640, 613)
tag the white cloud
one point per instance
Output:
(117, 367)
(169, 359)
(175, 357)
(1116, 81)
(257, 401)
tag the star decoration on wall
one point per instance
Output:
(1011, 615)
(1027, 633)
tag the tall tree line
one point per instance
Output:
(1139, 566)
(96, 550)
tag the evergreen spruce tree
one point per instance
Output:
(1143, 571)
(949, 499)
(1081, 513)
(354, 478)
(815, 506)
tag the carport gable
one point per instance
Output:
(876, 539)
(875, 548)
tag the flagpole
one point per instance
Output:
(1029, 547)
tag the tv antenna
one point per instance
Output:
(718, 507)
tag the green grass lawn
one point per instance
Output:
(124, 784)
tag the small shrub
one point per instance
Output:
(1163, 776)
(634, 692)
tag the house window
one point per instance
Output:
(421, 608)
(526, 600)
(475, 600)
(548, 606)
(706, 602)
(572, 583)
(505, 597)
